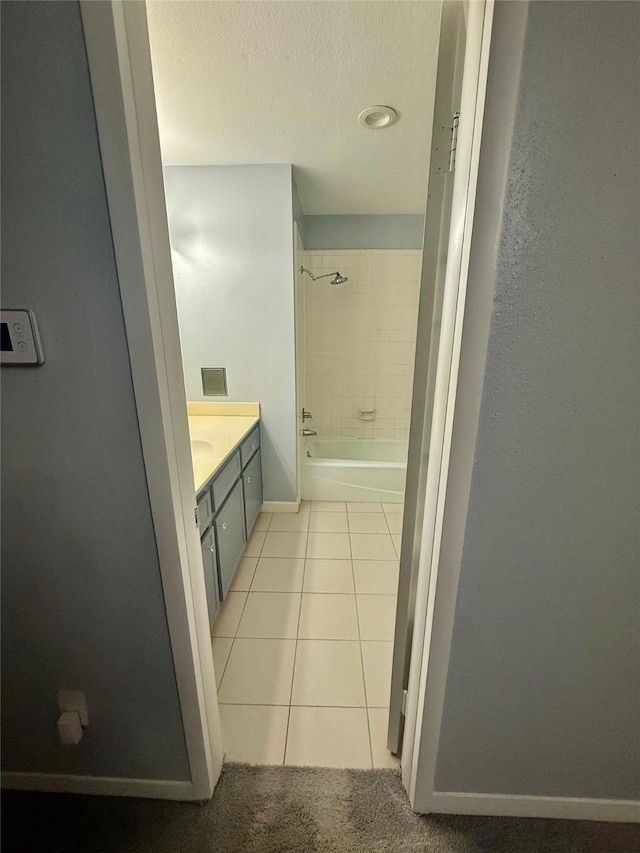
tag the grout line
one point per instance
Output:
(295, 653)
(226, 663)
(235, 634)
(364, 683)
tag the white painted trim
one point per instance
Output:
(281, 506)
(106, 786)
(520, 805)
(121, 77)
(419, 769)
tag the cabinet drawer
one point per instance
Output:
(224, 481)
(250, 445)
(205, 510)
(210, 565)
(252, 483)
(230, 537)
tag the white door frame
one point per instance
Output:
(429, 658)
(122, 82)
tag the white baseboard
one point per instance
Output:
(515, 805)
(281, 506)
(110, 786)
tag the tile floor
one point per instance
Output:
(303, 644)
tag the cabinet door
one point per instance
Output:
(210, 574)
(252, 481)
(230, 537)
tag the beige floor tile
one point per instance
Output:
(368, 522)
(372, 546)
(255, 543)
(377, 659)
(363, 507)
(393, 508)
(329, 546)
(254, 734)
(278, 574)
(244, 574)
(290, 522)
(228, 618)
(328, 617)
(263, 521)
(259, 672)
(397, 544)
(328, 576)
(328, 506)
(328, 737)
(376, 616)
(279, 544)
(378, 723)
(329, 522)
(376, 577)
(328, 672)
(221, 648)
(270, 615)
(394, 521)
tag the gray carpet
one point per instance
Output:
(283, 809)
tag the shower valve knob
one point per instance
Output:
(306, 416)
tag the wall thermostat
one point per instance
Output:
(19, 338)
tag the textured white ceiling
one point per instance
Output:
(283, 82)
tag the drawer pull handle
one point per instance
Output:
(212, 549)
(223, 526)
(248, 479)
(253, 446)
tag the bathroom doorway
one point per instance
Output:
(311, 526)
(303, 642)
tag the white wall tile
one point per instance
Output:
(360, 341)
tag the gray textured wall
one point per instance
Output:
(361, 231)
(82, 603)
(543, 693)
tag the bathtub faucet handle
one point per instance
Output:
(306, 416)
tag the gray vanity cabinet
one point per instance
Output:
(252, 485)
(228, 507)
(231, 536)
(210, 565)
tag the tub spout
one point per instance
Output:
(307, 431)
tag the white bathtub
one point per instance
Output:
(354, 469)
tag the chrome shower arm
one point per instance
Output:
(316, 277)
(338, 279)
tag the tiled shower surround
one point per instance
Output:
(359, 341)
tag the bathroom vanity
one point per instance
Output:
(225, 446)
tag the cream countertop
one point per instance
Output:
(216, 430)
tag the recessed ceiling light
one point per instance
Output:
(378, 117)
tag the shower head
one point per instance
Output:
(338, 279)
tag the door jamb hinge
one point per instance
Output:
(405, 695)
(454, 141)
(196, 512)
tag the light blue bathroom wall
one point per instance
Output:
(361, 231)
(82, 600)
(231, 232)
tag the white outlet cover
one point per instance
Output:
(74, 700)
